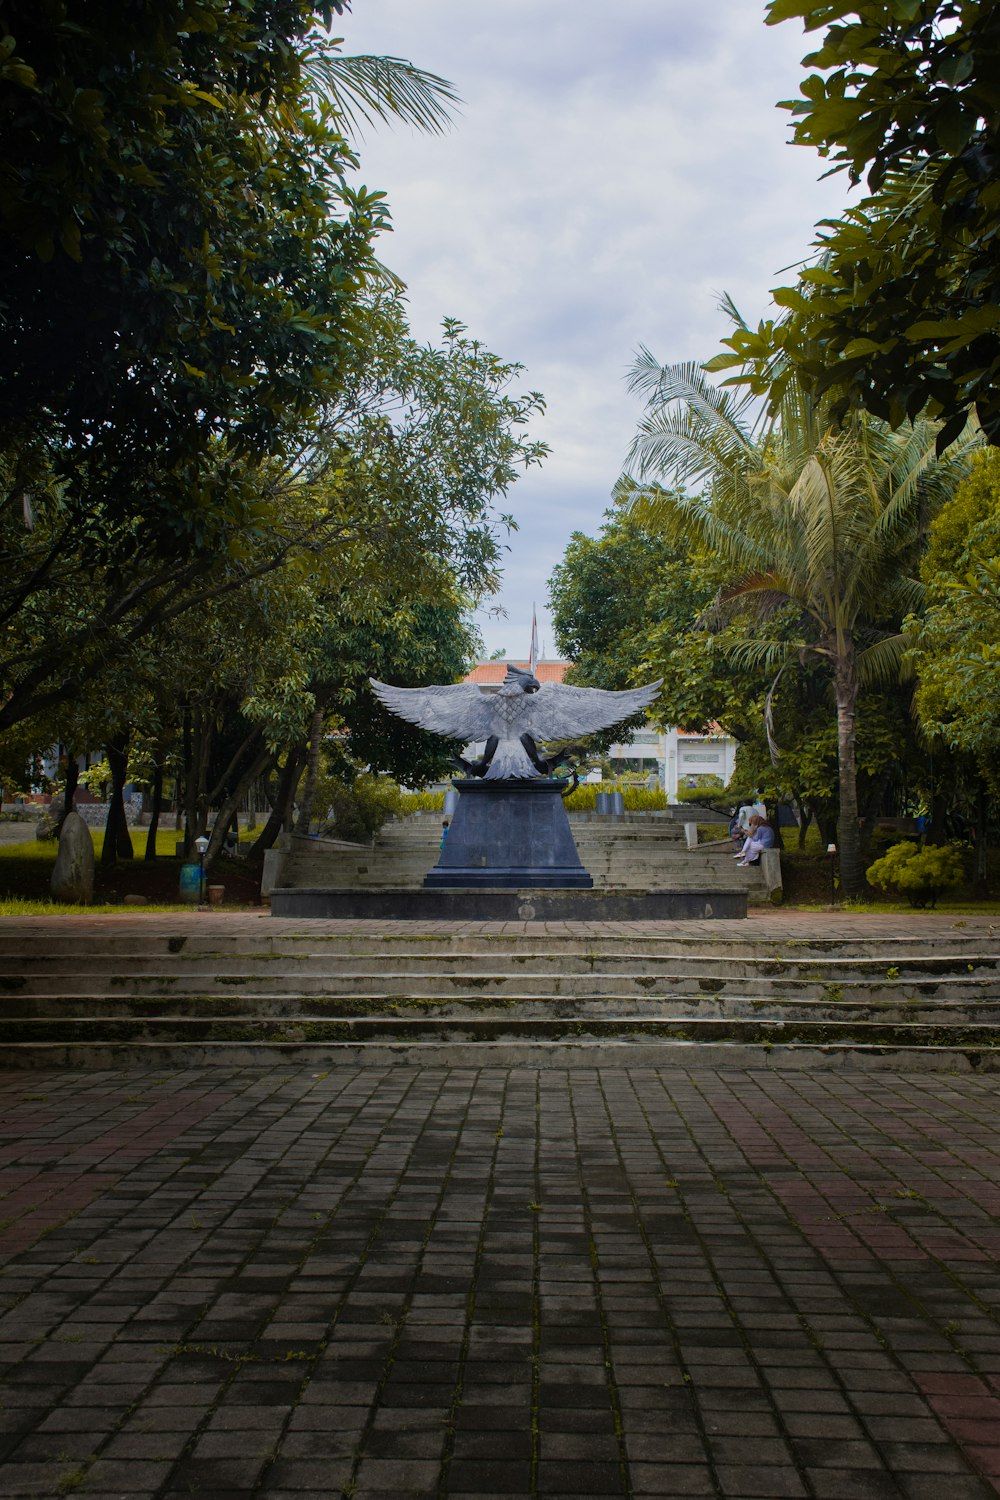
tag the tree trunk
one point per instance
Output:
(197, 747)
(117, 842)
(286, 805)
(72, 782)
(937, 832)
(156, 809)
(982, 834)
(287, 780)
(803, 816)
(188, 799)
(852, 880)
(872, 806)
(228, 809)
(312, 772)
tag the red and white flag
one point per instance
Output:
(533, 653)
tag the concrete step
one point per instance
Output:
(584, 1052)
(623, 854)
(642, 960)
(516, 987)
(405, 1029)
(168, 991)
(27, 944)
(460, 1007)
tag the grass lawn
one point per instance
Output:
(26, 869)
(47, 848)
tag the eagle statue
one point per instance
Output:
(513, 718)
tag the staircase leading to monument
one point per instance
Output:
(626, 853)
(181, 991)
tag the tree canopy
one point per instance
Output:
(956, 645)
(180, 248)
(900, 314)
(816, 527)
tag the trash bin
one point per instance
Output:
(190, 886)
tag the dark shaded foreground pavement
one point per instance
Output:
(403, 1282)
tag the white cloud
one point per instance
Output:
(614, 169)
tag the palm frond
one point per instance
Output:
(773, 748)
(366, 90)
(761, 655)
(885, 662)
(705, 416)
(759, 594)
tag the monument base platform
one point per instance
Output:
(509, 835)
(516, 878)
(507, 905)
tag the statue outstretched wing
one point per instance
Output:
(560, 712)
(458, 711)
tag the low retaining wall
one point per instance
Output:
(493, 905)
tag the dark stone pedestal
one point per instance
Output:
(509, 835)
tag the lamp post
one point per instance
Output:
(831, 849)
(201, 844)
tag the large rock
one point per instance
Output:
(73, 873)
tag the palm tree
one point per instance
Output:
(817, 521)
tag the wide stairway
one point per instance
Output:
(623, 853)
(190, 991)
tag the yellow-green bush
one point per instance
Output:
(918, 874)
(584, 799)
(636, 798)
(420, 802)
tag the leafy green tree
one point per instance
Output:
(901, 313)
(810, 522)
(628, 606)
(180, 249)
(350, 549)
(956, 643)
(791, 751)
(421, 444)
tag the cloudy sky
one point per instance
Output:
(614, 168)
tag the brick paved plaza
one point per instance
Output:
(381, 1282)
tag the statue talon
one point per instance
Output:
(531, 751)
(476, 767)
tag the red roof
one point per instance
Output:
(495, 671)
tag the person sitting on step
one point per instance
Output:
(760, 836)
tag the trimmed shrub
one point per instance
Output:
(361, 807)
(918, 874)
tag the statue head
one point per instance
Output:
(522, 678)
